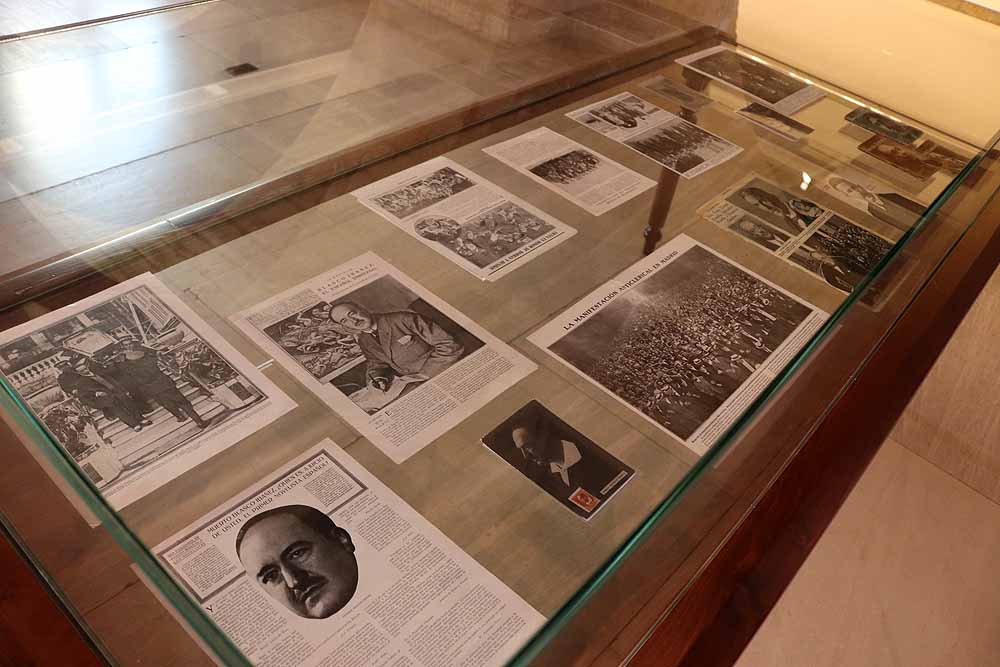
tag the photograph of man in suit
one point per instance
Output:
(890, 207)
(98, 393)
(397, 344)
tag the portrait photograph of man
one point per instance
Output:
(301, 558)
(560, 460)
(778, 208)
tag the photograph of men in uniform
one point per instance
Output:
(301, 558)
(559, 459)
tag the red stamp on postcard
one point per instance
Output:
(585, 500)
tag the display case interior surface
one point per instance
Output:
(703, 411)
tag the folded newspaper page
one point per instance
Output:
(397, 363)
(481, 227)
(669, 140)
(780, 91)
(786, 224)
(321, 564)
(135, 387)
(584, 176)
(685, 338)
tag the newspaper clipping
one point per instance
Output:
(685, 338)
(792, 227)
(678, 92)
(135, 387)
(780, 124)
(482, 228)
(567, 465)
(782, 92)
(585, 177)
(873, 197)
(322, 565)
(397, 363)
(669, 140)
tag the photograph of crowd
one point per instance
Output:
(486, 238)
(748, 75)
(681, 146)
(884, 126)
(396, 341)
(678, 92)
(679, 344)
(420, 194)
(901, 156)
(575, 172)
(783, 210)
(125, 383)
(841, 253)
(628, 112)
(763, 235)
(560, 460)
(789, 128)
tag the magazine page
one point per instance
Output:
(685, 338)
(136, 387)
(585, 177)
(322, 564)
(394, 361)
(481, 227)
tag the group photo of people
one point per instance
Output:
(626, 112)
(841, 253)
(755, 78)
(778, 208)
(679, 344)
(124, 383)
(681, 146)
(420, 194)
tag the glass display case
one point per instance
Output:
(481, 352)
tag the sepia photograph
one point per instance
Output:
(874, 198)
(487, 237)
(943, 159)
(678, 92)
(884, 126)
(683, 147)
(424, 192)
(841, 253)
(778, 90)
(905, 158)
(783, 210)
(557, 458)
(127, 385)
(765, 236)
(680, 343)
(768, 118)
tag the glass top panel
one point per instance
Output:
(509, 358)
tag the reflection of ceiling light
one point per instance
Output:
(806, 180)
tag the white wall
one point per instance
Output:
(934, 64)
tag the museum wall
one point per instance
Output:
(934, 64)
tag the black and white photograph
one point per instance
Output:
(841, 253)
(423, 192)
(765, 236)
(487, 237)
(626, 111)
(900, 156)
(678, 92)
(561, 461)
(682, 147)
(943, 159)
(877, 199)
(320, 561)
(884, 126)
(779, 123)
(391, 359)
(783, 210)
(780, 91)
(134, 388)
(680, 343)
(590, 180)
(475, 224)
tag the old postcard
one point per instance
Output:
(884, 126)
(780, 124)
(943, 159)
(322, 564)
(135, 387)
(582, 175)
(905, 158)
(561, 461)
(873, 197)
(685, 337)
(394, 361)
(474, 223)
(669, 140)
(678, 92)
(782, 92)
